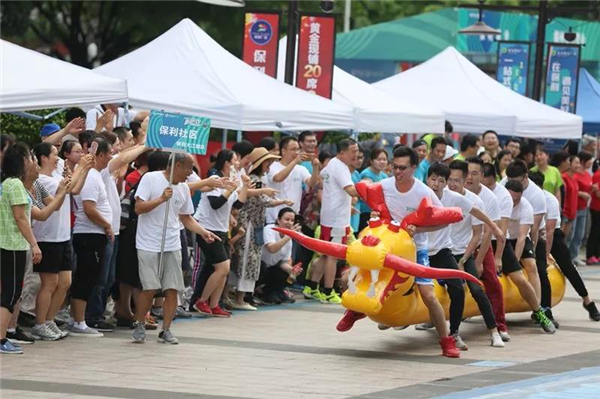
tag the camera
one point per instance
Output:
(327, 6)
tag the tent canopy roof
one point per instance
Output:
(31, 81)
(185, 70)
(374, 109)
(475, 102)
(588, 101)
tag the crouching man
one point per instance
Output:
(152, 196)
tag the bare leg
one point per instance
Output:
(329, 271)
(436, 312)
(316, 269)
(169, 307)
(5, 316)
(44, 296)
(78, 310)
(64, 282)
(15, 315)
(525, 289)
(143, 304)
(215, 284)
(123, 305)
(534, 278)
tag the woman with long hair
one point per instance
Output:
(213, 213)
(502, 161)
(16, 236)
(246, 267)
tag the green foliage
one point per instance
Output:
(28, 130)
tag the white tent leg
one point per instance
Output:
(224, 139)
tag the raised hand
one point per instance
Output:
(76, 126)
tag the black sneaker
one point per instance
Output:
(102, 326)
(127, 323)
(285, 298)
(26, 320)
(20, 337)
(551, 317)
(592, 310)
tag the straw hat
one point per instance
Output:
(259, 155)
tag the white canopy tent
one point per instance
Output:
(475, 102)
(185, 70)
(374, 109)
(30, 80)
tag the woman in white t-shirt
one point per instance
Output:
(213, 213)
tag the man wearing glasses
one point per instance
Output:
(403, 194)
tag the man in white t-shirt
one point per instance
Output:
(488, 260)
(153, 195)
(403, 194)
(288, 177)
(520, 247)
(556, 245)
(338, 190)
(466, 236)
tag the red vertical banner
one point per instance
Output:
(316, 48)
(261, 41)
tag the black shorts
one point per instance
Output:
(443, 260)
(216, 251)
(56, 257)
(528, 252)
(510, 263)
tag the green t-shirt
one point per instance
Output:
(12, 192)
(552, 178)
(459, 157)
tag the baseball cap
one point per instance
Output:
(48, 129)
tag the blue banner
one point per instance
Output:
(178, 131)
(562, 75)
(513, 66)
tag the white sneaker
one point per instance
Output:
(54, 328)
(424, 326)
(497, 341)
(383, 327)
(460, 344)
(44, 333)
(243, 306)
(400, 328)
(504, 335)
(86, 332)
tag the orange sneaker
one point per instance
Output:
(150, 322)
(449, 347)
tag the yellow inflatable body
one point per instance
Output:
(397, 302)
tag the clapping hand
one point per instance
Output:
(76, 126)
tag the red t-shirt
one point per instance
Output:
(585, 184)
(595, 204)
(132, 180)
(570, 201)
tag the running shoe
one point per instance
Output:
(590, 307)
(333, 298)
(449, 347)
(149, 322)
(219, 312)
(44, 333)
(157, 312)
(88, 332)
(308, 292)
(8, 348)
(592, 260)
(243, 306)
(54, 328)
(504, 335)
(549, 315)
(286, 296)
(167, 337)
(202, 307)
(460, 344)
(102, 326)
(19, 337)
(497, 341)
(126, 322)
(181, 313)
(545, 322)
(139, 333)
(347, 322)
(383, 327)
(424, 326)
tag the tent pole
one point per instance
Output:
(126, 109)
(224, 139)
(51, 114)
(27, 115)
(239, 136)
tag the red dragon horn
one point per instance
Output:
(322, 247)
(407, 267)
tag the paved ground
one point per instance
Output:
(294, 352)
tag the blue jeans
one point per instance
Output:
(94, 311)
(576, 233)
(423, 259)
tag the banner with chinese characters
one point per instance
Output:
(316, 48)
(178, 131)
(562, 76)
(513, 65)
(261, 41)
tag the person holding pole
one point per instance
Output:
(162, 201)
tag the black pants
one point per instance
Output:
(90, 249)
(483, 302)
(561, 255)
(542, 268)
(275, 279)
(304, 255)
(593, 242)
(12, 273)
(211, 254)
(444, 260)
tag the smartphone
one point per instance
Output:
(299, 219)
(93, 148)
(258, 184)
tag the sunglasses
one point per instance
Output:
(401, 168)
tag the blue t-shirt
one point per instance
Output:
(355, 217)
(422, 169)
(375, 178)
